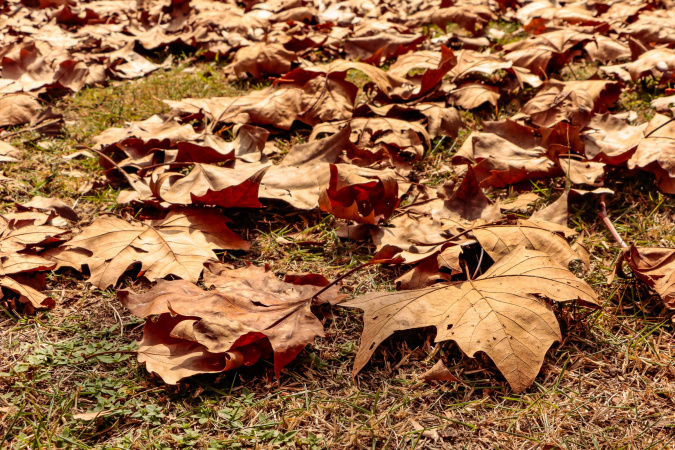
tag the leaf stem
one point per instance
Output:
(480, 261)
(608, 223)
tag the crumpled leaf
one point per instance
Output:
(655, 267)
(656, 152)
(504, 313)
(21, 234)
(17, 109)
(308, 96)
(261, 59)
(52, 204)
(381, 46)
(660, 63)
(571, 101)
(353, 195)
(610, 139)
(248, 312)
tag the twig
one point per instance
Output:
(608, 223)
(466, 270)
(15, 133)
(659, 127)
(480, 261)
(343, 276)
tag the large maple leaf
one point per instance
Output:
(504, 313)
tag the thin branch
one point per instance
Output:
(608, 223)
(659, 127)
(342, 277)
(480, 261)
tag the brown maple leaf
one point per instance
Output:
(380, 46)
(309, 96)
(21, 236)
(359, 195)
(211, 185)
(176, 245)
(504, 313)
(655, 267)
(261, 59)
(500, 240)
(610, 139)
(249, 313)
(17, 109)
(573, 102)
(656, 152)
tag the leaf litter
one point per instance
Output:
(362, 164)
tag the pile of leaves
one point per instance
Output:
(374, 89)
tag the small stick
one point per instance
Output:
(659, 127)
(480, 261)
(342, 277)
(608, 223)
(466, 270)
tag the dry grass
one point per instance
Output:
(610, 384)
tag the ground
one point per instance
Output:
(609, 384)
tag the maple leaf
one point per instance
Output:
(211, 185)
(500, 240)
(656, 152)
(503, 313)
(248, 312)
(655, 267)
(17, 109)
(380, 46)
(308, 96)
(572, 101)
(176, 245)
(259, 60)
(610, 139)
(20, 236)
(359, 196)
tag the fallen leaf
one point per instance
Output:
(439, 373)
(503, 313)
(211, 185)
(499, 240)
(176, 245)
(210, 331)
(656, 152)
(359, 196)
(655, 267)
(18, 109)
(381, 46)
(611, 140)
(261, 59)
(52, 204)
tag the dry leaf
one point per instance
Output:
(503, 313)
(211, 331)
(656, 268)
(176, 245)
(356, 195)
